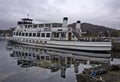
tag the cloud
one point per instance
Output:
(101, 12)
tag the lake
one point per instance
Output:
(24, 63)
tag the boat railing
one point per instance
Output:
(87, 40)
(76, 34)
(101, 39)
(116, 39)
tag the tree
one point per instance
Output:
(115, 33)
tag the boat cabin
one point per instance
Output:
(48, 31)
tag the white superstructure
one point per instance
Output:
(56, 35)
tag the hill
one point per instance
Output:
(94, 30)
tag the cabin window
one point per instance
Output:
(63, 35)
(22, 54)
(59, 29)
(47, 29)
(43, 35)
(19, 53)
(29, 54)
(33, 55)
(45, 41)
(25, 26)
(47, 25)
(26, 34)
(34, 34)
(17, 33)
(73, 36)
(22, 34)
(30, 34)
(25, 54)
(48, 35)
(56, 35)
(38, 34)
(13, 52)
(42, 57)
(47, 58)
(16, 53)
(13, 33)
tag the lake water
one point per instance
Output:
(23, 63)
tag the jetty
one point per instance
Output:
(115, 43)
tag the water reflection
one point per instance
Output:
(54, 59)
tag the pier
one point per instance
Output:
(116, 43)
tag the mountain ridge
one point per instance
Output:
(94, 30)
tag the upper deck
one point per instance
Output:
(52, 31)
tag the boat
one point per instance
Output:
(57, 35)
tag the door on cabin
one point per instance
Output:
(69, 36)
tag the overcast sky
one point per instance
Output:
(100, 12)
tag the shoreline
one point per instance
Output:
(102, 74)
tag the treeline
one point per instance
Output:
(8, 31)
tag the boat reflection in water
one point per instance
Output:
(54, 59)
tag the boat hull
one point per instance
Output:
(73, 45)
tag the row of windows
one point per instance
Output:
(32, 34)
(41, 25)
(26, 40)
(56, 35)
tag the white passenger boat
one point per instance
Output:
(56, 35)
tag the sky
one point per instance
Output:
(98, 12)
